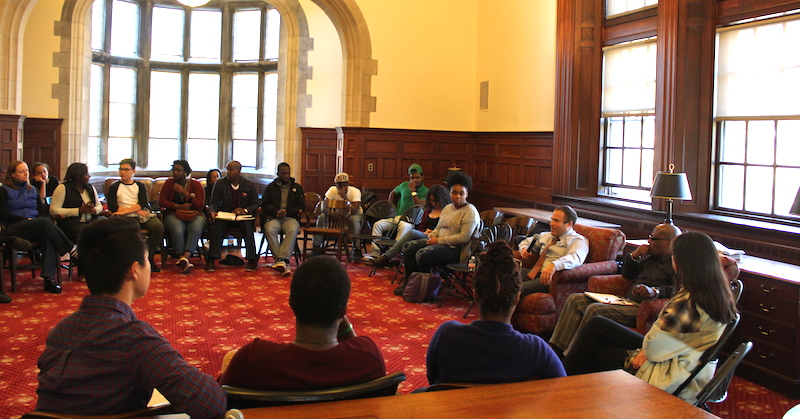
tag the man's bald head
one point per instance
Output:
(661, 239)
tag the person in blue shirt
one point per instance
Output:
(489, 350)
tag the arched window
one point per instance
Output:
(169, 82)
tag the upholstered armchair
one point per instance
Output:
(538, 312)
(648, 309)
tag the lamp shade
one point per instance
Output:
(796, 206)
(668, 185)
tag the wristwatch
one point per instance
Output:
(658, 292)
(414, 193)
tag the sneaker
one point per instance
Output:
(279, 266)
(154, 267)
(287, 272)
(368, 258)
(251, 265)
(21, 244)
(51, 286)
(210, 266)
(399, 290)
(4, 298)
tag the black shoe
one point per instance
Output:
(399, 290)
(317, 253)
(51, 286)
(21, 244)
(252, 264)
(154, 267)
(4, 298)
(381, 262)
(210, 266)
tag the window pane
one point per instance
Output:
(733, 140)
(246, 35)
(206, 36)
(98, 24)
(124, 28)
(615, 132)
(161, 152)
(788, 152)
(614, 167)
(269, 161)
(631, 172)
(273, 35)
(121, 112)
(96, 101)
(166, 43)
(731, 189)
(615, 7)
(270, 107)
(165, 105)
(647, 168)
(787, 181)
(203, 105)
(761, 142)
(118, 149)
(649, 132)
(202, 153)
(245, 152)
(245, 106)
(633, 131)
(758, 189)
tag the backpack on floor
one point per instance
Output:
(422, 287)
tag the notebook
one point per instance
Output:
(609, 299)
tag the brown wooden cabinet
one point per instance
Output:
(770, 307)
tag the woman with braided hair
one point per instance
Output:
(489, 350)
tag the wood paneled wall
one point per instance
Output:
(10, 139)
(319, 159)
(42, 143)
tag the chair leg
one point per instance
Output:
(12, 260)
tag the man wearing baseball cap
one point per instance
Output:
(409, 193)
(342, 191)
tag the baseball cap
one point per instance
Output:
(414, 168)
(342, 177)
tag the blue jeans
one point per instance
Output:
(401, 241)
(184, 234)
(419, 257)
(289, 227)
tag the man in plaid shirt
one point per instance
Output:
(101, 360)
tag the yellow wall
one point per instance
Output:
(38, 73)
(516, 54)
(426, 53)
(325, 87)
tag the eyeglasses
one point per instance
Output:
(125, 169)
(655, 239)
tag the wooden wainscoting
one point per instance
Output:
(42, 143)
(319, 159)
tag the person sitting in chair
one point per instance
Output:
(75, 202)
(691, 322)
(102, 360)
(183, 199)
(282, 203)
(325, 353)
(457, 224)
(489, 350)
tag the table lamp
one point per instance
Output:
(670, 186)
(796, 206)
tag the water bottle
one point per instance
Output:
(471, 264)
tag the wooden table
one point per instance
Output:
(610, 394)
(543, 216)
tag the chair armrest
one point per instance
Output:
(648, 313)
(583, 272)
(610, 284)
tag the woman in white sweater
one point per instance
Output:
(457, 224)
(691, 322)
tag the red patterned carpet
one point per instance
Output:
(205, 315)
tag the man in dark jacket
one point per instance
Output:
(233, 203)
(281, 204)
